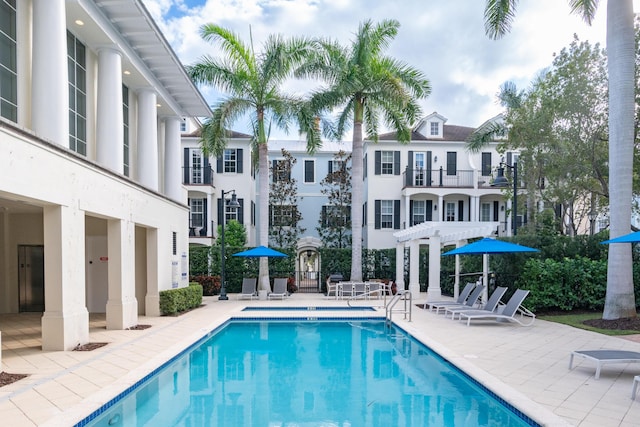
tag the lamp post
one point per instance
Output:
(233, 203)
(593, 215)
(502, 181)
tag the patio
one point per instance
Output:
(526, 365)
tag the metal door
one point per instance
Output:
(31, 278)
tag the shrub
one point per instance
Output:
(174, 301)
(210, 284)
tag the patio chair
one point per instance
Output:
(375, 290)
(279, 288)
(359, 289)
(605, 357)
(248, 288)
(461, 298)
(468, 304)
(492, 303)
(509, 312)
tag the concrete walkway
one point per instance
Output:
(528, 366)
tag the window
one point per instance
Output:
(281, 170)
(336, 216)
(197, 212)
(8, 61)
(485, 212)
(76, 58)
(282, 215)
(386, 214)
(387, 163)
(450, 211)
(196, 167)
(230, 160)
(486, 164)
(452, 162)
(418, 214)
(435, 129)
(232, 213)
(309, 171)
(125, 129)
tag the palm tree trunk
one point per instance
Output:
(356, 195)
(263, 208)
(620, 300)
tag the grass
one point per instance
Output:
(576, 320)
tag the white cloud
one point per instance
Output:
(445, 40)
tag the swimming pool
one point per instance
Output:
(313, 373)
(338, 308)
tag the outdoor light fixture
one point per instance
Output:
(233, 204)
(502, 181)
(593, 215)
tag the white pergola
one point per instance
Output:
(437, 235)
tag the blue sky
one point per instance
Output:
(444, 39)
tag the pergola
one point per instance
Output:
(436, 235)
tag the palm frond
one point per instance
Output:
(484, 135)
(498, 17)
(240, 54)
(585, 8)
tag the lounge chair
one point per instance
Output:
(634, 389)
(460, 300)
(604, 357)
(508, 312)
(279, 288)
(491, 305)
(468, 304)
(248, 288)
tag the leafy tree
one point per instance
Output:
(335, 220)
(499, 14)
(254, 82)
(284, 214)
(367, 87)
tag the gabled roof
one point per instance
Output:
(231, 134)
(450, 133)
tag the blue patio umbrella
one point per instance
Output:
(261, 251)
(626, 238)
(486, 247)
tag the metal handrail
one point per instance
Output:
(401, 295)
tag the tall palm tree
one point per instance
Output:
(253, 83)
(366, 87)
(499, 14)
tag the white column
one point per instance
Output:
(109, 121)
(414, 267)
(456, 283)
(211, 210)
(399, 281)
(434, 292)
(407, 212)
(485, 277)
(147, 139)
(440, 208)
(50, 79)
(65, 322)
(172, 160)
(122, 306)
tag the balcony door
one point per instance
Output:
(420, 164)
(195, 165)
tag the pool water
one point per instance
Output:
(337, 308)
(308, 373)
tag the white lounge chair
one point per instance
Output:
(279, 288)
(460, 300)
(248, 288)
(509, 312)
(491, 305)
(605, 357)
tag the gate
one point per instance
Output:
(308, 282)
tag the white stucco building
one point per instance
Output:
(93, 216)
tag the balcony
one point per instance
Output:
(438, 178)
(197, 175)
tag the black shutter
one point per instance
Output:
(378, 167)
(270, 216)
(185, 169)
(460, 210)
(220, 212)
(323, 216)
(364, 214)
(378, 219)
(396, 163)
(274, 170)
(509, 158)
(364, 166)
(409, 181)
(219, 165)
(410, 212)
(496, 208)
(330, 166)
(207, 171)
(241, 211)
(239, 160)
(429, 169)
(429, 215)
(203, 231)
(396, 213)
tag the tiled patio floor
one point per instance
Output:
(526, 365)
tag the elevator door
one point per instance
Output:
(31, 278)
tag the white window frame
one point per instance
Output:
(230, 160)
(386, 162)
(196, 208)
(419, 210)
(485, 211)
(386, 214)
(434, 129)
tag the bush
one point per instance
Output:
(210, 284)
(174, 301)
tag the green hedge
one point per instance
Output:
(174, 301)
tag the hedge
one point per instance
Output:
(174, 301)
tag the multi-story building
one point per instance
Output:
(92, 213)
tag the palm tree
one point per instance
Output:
(366, 87)
(499, 14)
(253, 83)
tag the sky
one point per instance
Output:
(443, 39)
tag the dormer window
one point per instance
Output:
(435, 128)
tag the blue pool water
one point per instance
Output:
(307, 373)
(337, 308)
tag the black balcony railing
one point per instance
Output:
(197, 175)
(438, 178)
